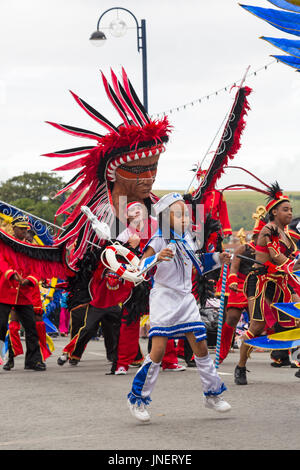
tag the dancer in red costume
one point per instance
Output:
(18, 292)
(269, 284)
(15, 347)
(237, 301)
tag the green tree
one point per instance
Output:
(33, 192)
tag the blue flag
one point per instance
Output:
(290, 308)
(285, 5)
(291, 46)
(289, 60)
(265, 343)
(283, 20)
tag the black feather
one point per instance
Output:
(274, 188)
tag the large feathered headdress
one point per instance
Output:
(138, 137)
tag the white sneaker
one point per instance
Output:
(139, 411)
(217, 403)
(121, 371)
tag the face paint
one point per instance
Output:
(137, 172)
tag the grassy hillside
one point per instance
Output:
(242, 204)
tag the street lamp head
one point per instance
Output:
(117, 28)
(98, 38)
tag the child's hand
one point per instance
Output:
(225, 257)
(165, 255)
(134, 240)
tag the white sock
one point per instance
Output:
(211, 382)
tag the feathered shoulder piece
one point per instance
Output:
(273, 233)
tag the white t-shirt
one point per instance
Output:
(177, 272)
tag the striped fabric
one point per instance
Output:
(178, 331)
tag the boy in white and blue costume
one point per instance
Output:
(173, 310)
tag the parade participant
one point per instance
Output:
(18, 290)
(237, 301)
(15, 347)
(120, 168)
(136, 235)
(140, 226)
(103, 304)
(173, 309)
(14, 343)
(282, 357)
(266, 285)
(203, 286)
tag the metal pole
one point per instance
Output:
(141, 45)
(144, 58)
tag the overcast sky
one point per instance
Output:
(194, 48)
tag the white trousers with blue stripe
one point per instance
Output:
(145, 379)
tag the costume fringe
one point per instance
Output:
(134, 399)
(41, 261)
(211, 393)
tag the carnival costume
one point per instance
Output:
(267, 286)
(236, 298)
(173, 308)
(137, 138)
(236, 279)
(21, 299)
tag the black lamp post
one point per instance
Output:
(118, 28)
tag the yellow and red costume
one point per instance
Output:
(266, 287)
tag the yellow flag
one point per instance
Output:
(289, 335)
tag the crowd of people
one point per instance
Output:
(124, 255)
(252, 286)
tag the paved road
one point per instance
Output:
(82, 408)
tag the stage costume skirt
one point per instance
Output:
(174, 313)
(264, 290)
(238, 299)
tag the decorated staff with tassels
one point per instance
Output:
(270, 278)
(221, 315)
